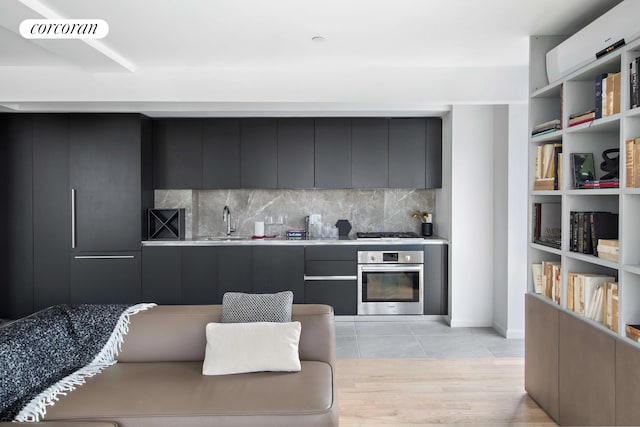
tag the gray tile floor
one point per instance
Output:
(432, 339)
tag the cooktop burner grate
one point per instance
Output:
(387, 235)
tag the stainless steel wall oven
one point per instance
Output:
(390, 282)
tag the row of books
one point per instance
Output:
(588, 228)
(546, 224)
(595, 296)
(632, 162)
(547, 279)
(607, 100)
(548, 166)
(634, 87)
(546, 127)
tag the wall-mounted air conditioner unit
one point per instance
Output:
(613, 29)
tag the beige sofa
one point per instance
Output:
(158, 379)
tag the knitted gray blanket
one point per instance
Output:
(53, 351)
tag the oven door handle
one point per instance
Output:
(390, 268)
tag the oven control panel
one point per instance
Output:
(390, 257)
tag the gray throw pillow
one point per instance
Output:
(239, 307)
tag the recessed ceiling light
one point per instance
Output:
(317, 39)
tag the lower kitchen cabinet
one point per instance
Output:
(235, 272)
(342, 295)
(112, 278)
(161, 272)
(436, 291)
(200, 275)
(279, 268)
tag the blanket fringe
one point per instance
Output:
(35, 410)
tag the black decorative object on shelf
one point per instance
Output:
(166, 224)
(344, 227)
(610, 164)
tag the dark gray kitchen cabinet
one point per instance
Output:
(332, 153)
(16, 241)
(295, 153)
(370, 153)
(433, 153)
(407, 153)
(279, 268)
(105, 152)
(220, 153)
(331, 277)
(162, 274)
(436, 289)
(235, 272)
(342, 295)
(258, 153)
(200, 275)
(51, 210)
(106, 278)
(177, 154)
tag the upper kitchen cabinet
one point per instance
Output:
(433, 153)
(333, 153)
(106, 180)
(177, 154)
(370, 153)
(415, 153)
(295, 153)
(258, 153)
(221, 153)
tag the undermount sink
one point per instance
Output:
(224, 238)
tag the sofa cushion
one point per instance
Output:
(238, 307)
(236, 348)
(163, 394)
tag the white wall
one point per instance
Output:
(472, 236)
(500, 218)
(517, 221)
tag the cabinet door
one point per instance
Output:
(433, 161)
(370, 153)
(333, 153)
(295, 153)
(279, 268)
(177, 153)
(51, 210)
(407, 153)
(235, 272)
(200, 275)
(258, 153)
(436, 289)
(342, 295)
(161, 274)
(16, 243)
(105, 162)
(112, 278)
(221, 153)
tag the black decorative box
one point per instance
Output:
(166, 224)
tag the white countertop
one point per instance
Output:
(434, 240)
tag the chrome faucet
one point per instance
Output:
(226, 217)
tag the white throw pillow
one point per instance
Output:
(235, 348)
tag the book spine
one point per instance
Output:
(633, 86)
(629, 159)
(557, 149)
(599, 84)
(615, 95)
(636, 162)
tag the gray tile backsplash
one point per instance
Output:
(367, 210)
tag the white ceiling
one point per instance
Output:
(160, 38)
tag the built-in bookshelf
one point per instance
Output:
(575, 94)
(575, 181)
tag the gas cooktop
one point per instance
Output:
(387, 235)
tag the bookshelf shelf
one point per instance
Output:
(573, 95)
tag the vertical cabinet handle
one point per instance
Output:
(73, 218)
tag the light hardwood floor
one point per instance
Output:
(435, 392)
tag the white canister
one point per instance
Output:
(258, 229)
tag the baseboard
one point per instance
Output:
(468, 323)
(515, 334)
